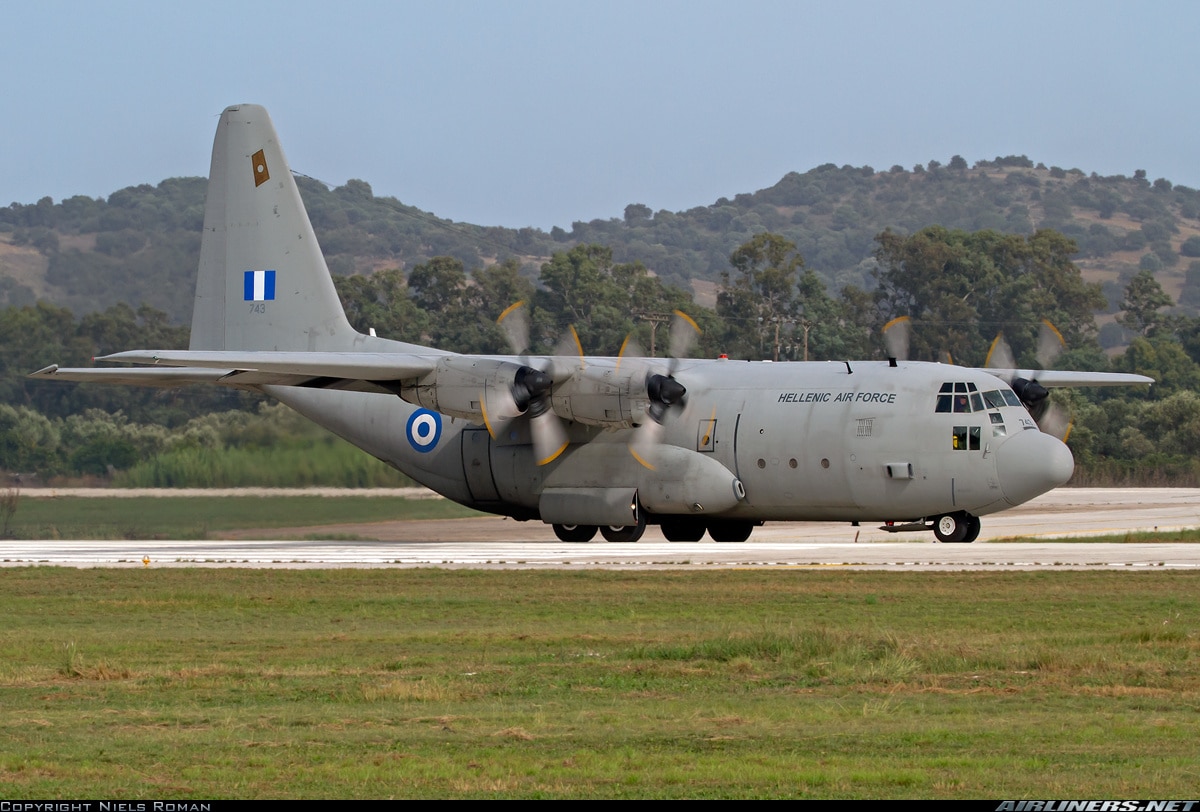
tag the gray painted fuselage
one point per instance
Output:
(857, 442)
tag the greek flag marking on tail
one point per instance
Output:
(259, 286)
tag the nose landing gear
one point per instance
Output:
(953, 528)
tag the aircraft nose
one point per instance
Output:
(1030, 463)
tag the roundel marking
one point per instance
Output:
(424, 429)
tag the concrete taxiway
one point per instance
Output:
(499, 543)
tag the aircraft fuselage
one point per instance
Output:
(864, 441)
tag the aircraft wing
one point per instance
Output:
(350, 371)
(179, 376)
(1054, 378)
(369, 366)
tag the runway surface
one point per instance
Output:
(500, 543)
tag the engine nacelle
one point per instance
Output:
(611, 398)
(459, 383)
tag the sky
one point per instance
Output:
(545, 113)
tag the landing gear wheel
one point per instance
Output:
(575, 532)
(973, 526)
(624, 534)
(682, 528)
(730, 530)
(953, 528)
(629, 533)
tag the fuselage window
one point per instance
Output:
(943, 403)
(1010, 397)
(962, 403)
(967, 438)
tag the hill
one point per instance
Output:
(141, 244)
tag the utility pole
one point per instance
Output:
(655, 319)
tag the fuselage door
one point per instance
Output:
(477, 464)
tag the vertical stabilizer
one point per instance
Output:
(263, 283)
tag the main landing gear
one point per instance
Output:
(674, 528)
(575, 532)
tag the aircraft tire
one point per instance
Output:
(952, 528)
(575, 532)
(682, 528)
(730, 530)
(973, 528)
(624, 535)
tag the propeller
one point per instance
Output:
(897, 340)
(1050, 344)
(514, 323)
(663, 392)
(896, 335)
(1050, 416)
(529, 393)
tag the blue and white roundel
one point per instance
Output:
(424, 429)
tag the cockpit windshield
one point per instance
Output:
(964, 397)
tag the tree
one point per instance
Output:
(1144, 297)
(457, 318)
(761, 297)
(829, 329)
(585, 289)
(381, 302)
(961, 288)
(637, 214)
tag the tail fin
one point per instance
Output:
(263, 283)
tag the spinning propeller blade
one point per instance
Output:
(895, 337)
(1051, 418)
(664, 393)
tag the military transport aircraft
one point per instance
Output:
(694, 446)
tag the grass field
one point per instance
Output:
(197, 517)
(425, 683)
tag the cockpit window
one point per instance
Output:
(994, 398)
(964, 397)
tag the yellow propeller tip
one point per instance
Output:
(641, 459)
(553, 456)
(508, 310)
